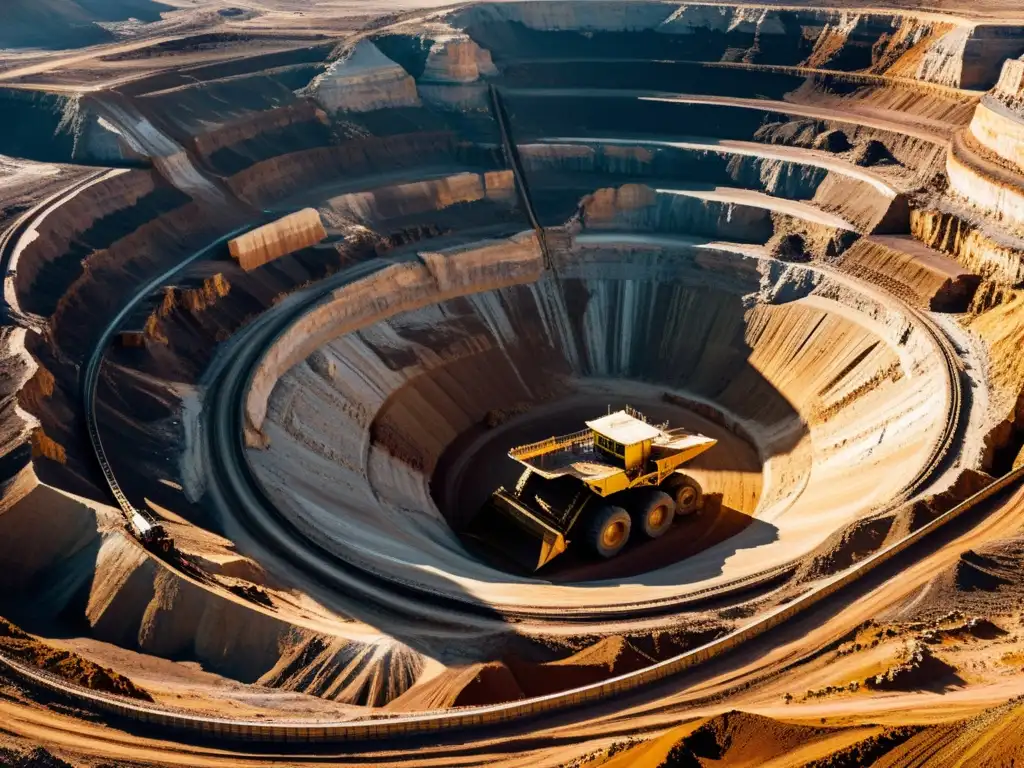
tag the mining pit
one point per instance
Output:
(281, 293)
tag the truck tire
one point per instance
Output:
(607, 530)
(653, 512)
(686, 492)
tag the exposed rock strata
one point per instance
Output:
(364, 80)
(272, 241)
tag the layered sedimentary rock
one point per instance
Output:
(984, 183)
(402, 286)
(272, 241)
(991, 254)
(1001, 130)
(1010, 87)
(718, 214)
(950, 52)
(92, 219)
(364, 80)
(282, 120)
(419, 197)
(457, 60)
(308, 174)
(906, 268)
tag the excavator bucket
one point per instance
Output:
(513, 532)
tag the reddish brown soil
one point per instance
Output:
(493, 683)
(22, 646)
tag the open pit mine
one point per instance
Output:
(312, 310)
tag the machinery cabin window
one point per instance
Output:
(612, 447)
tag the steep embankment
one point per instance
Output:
(89, 571)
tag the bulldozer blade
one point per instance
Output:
(514, 534)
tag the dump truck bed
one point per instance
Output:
(577, 456)
(582, 461)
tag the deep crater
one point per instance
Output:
(730, 340)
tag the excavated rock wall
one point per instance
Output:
(1000, 259)
(22, 372)
(1010, 87)
(89, 302)
(862, 200)
(362, 81)
(948, 52)
(148, 250)
(230, 90)
(92, 220)
(420, 197)
(904, 268)
(56, 128)
(89, 569)
(286, 235)
(457, 59)
(984, 185)
(392, 289)
(238, 144)
(1000, 130)
(740, 219)
(279, 178)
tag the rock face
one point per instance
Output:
(54, 127)
(422, 196)
(1010, 88)
(364, 81)
(994, 257)
(1000, 129)
(477, 267)
(951, 52)
(978, 178)
(89, 568)
(457, 60)
(272, 241)
(917, 274)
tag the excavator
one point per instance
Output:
(617, 479)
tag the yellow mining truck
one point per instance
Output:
(612, 480)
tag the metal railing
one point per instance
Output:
(576, 439)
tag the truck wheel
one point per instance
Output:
(607, 530)
(686, 492)
(653, 512)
